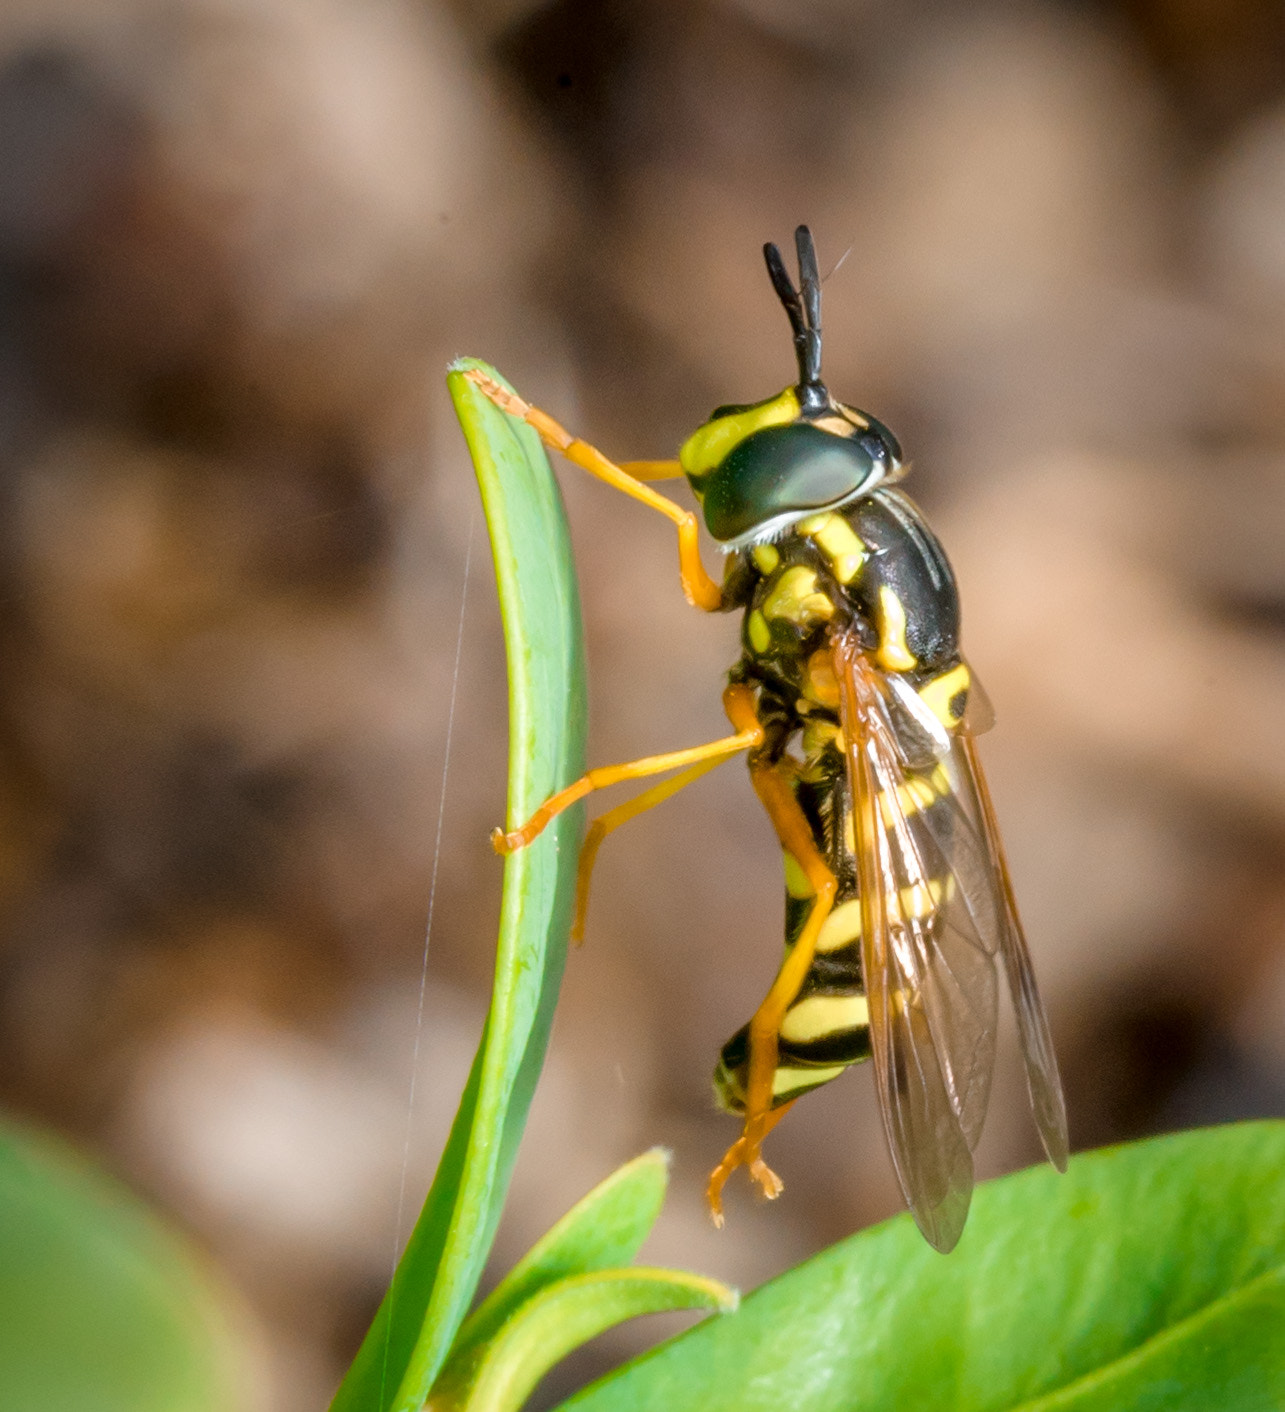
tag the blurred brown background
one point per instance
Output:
(239, 241)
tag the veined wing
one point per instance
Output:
(930, 974)
(965, 826)
(947, 896)
(1043, 1081)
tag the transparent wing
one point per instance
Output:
(1043, 1081)
(964, 827)
(947, 896)
(929, 967)
(979, 714)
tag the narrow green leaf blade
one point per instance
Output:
(535, 577)
(1149, 1276)
(101, 1308)
(605, 1229)
(571, 1312)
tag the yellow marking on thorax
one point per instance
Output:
(893, 654)
(796, 598)
(787, 1079)
(758, 632)
(766, 557)
(837, 541)
(707, 446)
(938, 694)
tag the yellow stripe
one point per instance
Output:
(796, 598)
(918, 792)
(918, 902)
(841, 927)
(838, 543)
(707, 446)
(893, 654)
(938, 694)
(822, 1015)
(787, 1079)
(766, 557)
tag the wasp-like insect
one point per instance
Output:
(858, 715)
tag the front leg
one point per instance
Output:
(698, 588)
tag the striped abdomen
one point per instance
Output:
(826, 1028)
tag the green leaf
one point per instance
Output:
(535, 577)
(566, 1314)
(606, 1228)
(102, 1309)
(1151, 1276)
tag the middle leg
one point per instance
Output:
(738, 702)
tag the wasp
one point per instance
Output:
(858, 716)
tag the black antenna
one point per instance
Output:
(804, 309)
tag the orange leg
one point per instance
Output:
(698, 587)
(652, 470)
(771, 784)
(738, 702)
(743, 1153)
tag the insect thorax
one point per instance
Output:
(871, 567)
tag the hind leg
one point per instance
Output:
(772, 785)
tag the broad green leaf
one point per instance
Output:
(1151, 1276)
(535, 577)
(566, 1314)
(102, 1309)
(604, 1229)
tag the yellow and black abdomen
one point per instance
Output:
(826, 1027)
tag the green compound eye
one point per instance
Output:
(756, 467)
(787, 471)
